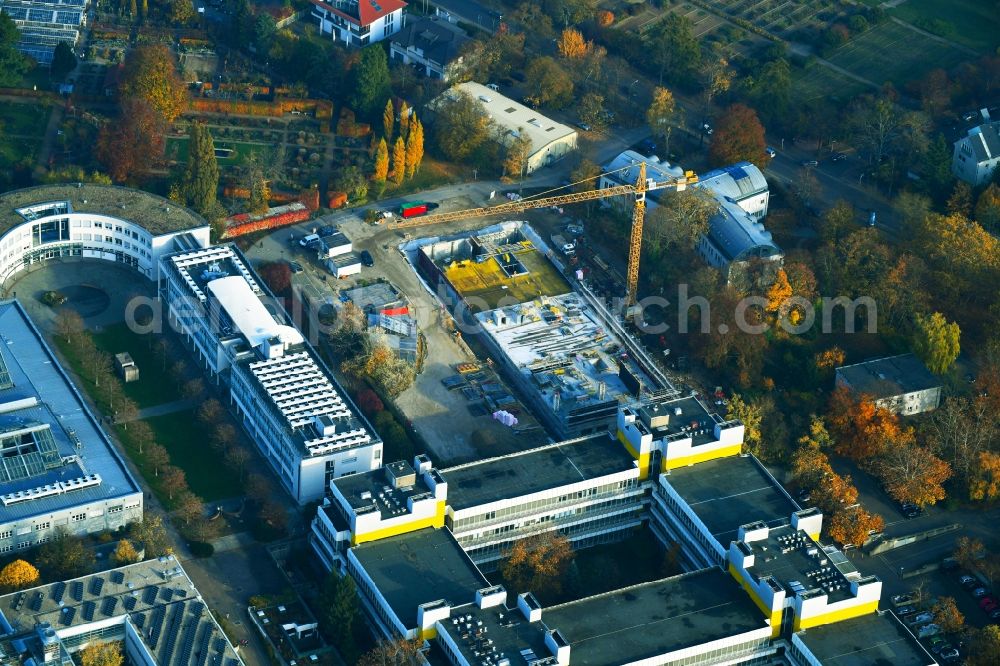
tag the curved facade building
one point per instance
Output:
(97, 221)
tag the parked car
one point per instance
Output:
(707, 129)
(940, 646)
(969, 115)
(988, 600)
(838, 156)
(910, 510)
(810, 163)
(949, 564)
(366, 258)
(326, 231)
(901, 599)
(584, 126)
(980, 592)
(920, 618)
(950, 654)
(926, 630)
(968, 582)
(906, 610)
(771, 152)
(295, 266)
(995, 614)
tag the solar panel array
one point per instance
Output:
(45, 23)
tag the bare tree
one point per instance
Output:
(69, 325)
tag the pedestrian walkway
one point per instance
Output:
(233, 542)
(164, 409)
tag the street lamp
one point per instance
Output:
(630, 87)
(860, 177)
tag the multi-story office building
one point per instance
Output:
(290, 404)
(152, 606)
(118, 224)
(58, 470)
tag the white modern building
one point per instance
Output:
(550, 140)
(359, 22)
(432, 45)
(58, 470)
(301, 420)
(742, 183)
(902, 384)
(977, 154)
(152, 607)
(117, 224)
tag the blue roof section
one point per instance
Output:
(36, 373)
(736, 181)
(738, 235)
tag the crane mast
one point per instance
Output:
(638, 191)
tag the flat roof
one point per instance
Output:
(156, 595)
(508, 634)
(375, 489)
(420, 567)
(68, 445)
(730, 492)
(247, 312)
(688, 417)
(153, 213)
(800, 564)
(890, 376)
(516, 117)
(656, 618)
(535, 470)
(876, 638)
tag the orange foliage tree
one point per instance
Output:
(779, 292)
(538, 564)
(853, 526)
(947, 616)
(572, 45)
(738, 137)
(862, 428)
(912, 473)
(150, 75)
(984, 481)
(131, 146)
(605, 18)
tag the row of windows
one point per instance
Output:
(536, 506)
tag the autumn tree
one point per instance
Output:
(130, 147)
(260, 190)
(173, 480)
(398, 161)
(605, 18)
(913, 474)
(984, 646)
(537, 564)
(190, 507)
(961, 430)
(960, 201)
(988, 208)
(936, 342)
(125, 553)
(572, 45)
(12, 63)
(17, 575)
(661, 115)
(947, 616)
(102, 654)
(968, 552)
(738, 137)
(829, 359)
(778, 293)
(585, 176)
(862, 428)
(591, 110)
(152, 535)
(835, 493)
(984, 481)
(853, 526)
(381, 165)
(64, 556)
(388, 120)
(460, 127)
(515, 162)
(380, 365)
(396, 652)
(151, 76)
(201, 173)
(678, 223)
(414, 147)
(156, 456)
(237, 458)
(548, 84)
(751, 416)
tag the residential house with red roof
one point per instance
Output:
(359, 22)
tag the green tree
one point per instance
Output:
(181, 11)
(64, 557)
(152, 535)
(381, 168)
(340, 608)
(936, 342)
(201, 176)
(772, 88)
(63, 61)
(988, 207)
(673, 48)
(591, 110)
(353, 182)
(260, 191)
(398, 161)
(738, 137)
(584, 176)
(12, 63)
(370, 82)
(461, 126)
(548, 84)
(263, 31)
(150, 75)
(984, 646)
(937, 164)
(414, 147)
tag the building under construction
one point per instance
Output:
(554, 343)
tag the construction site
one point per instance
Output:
(500, 265)
(568, 358)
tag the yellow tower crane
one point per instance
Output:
(638, 190)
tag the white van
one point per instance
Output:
(309, 240)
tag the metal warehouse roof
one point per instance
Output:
(737, 181)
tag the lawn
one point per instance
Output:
(13, 151)
(152, 388)
(177, 149)
(974, 23)
(820, 81)
(894, 52)
(187, 443)
(23, 119)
